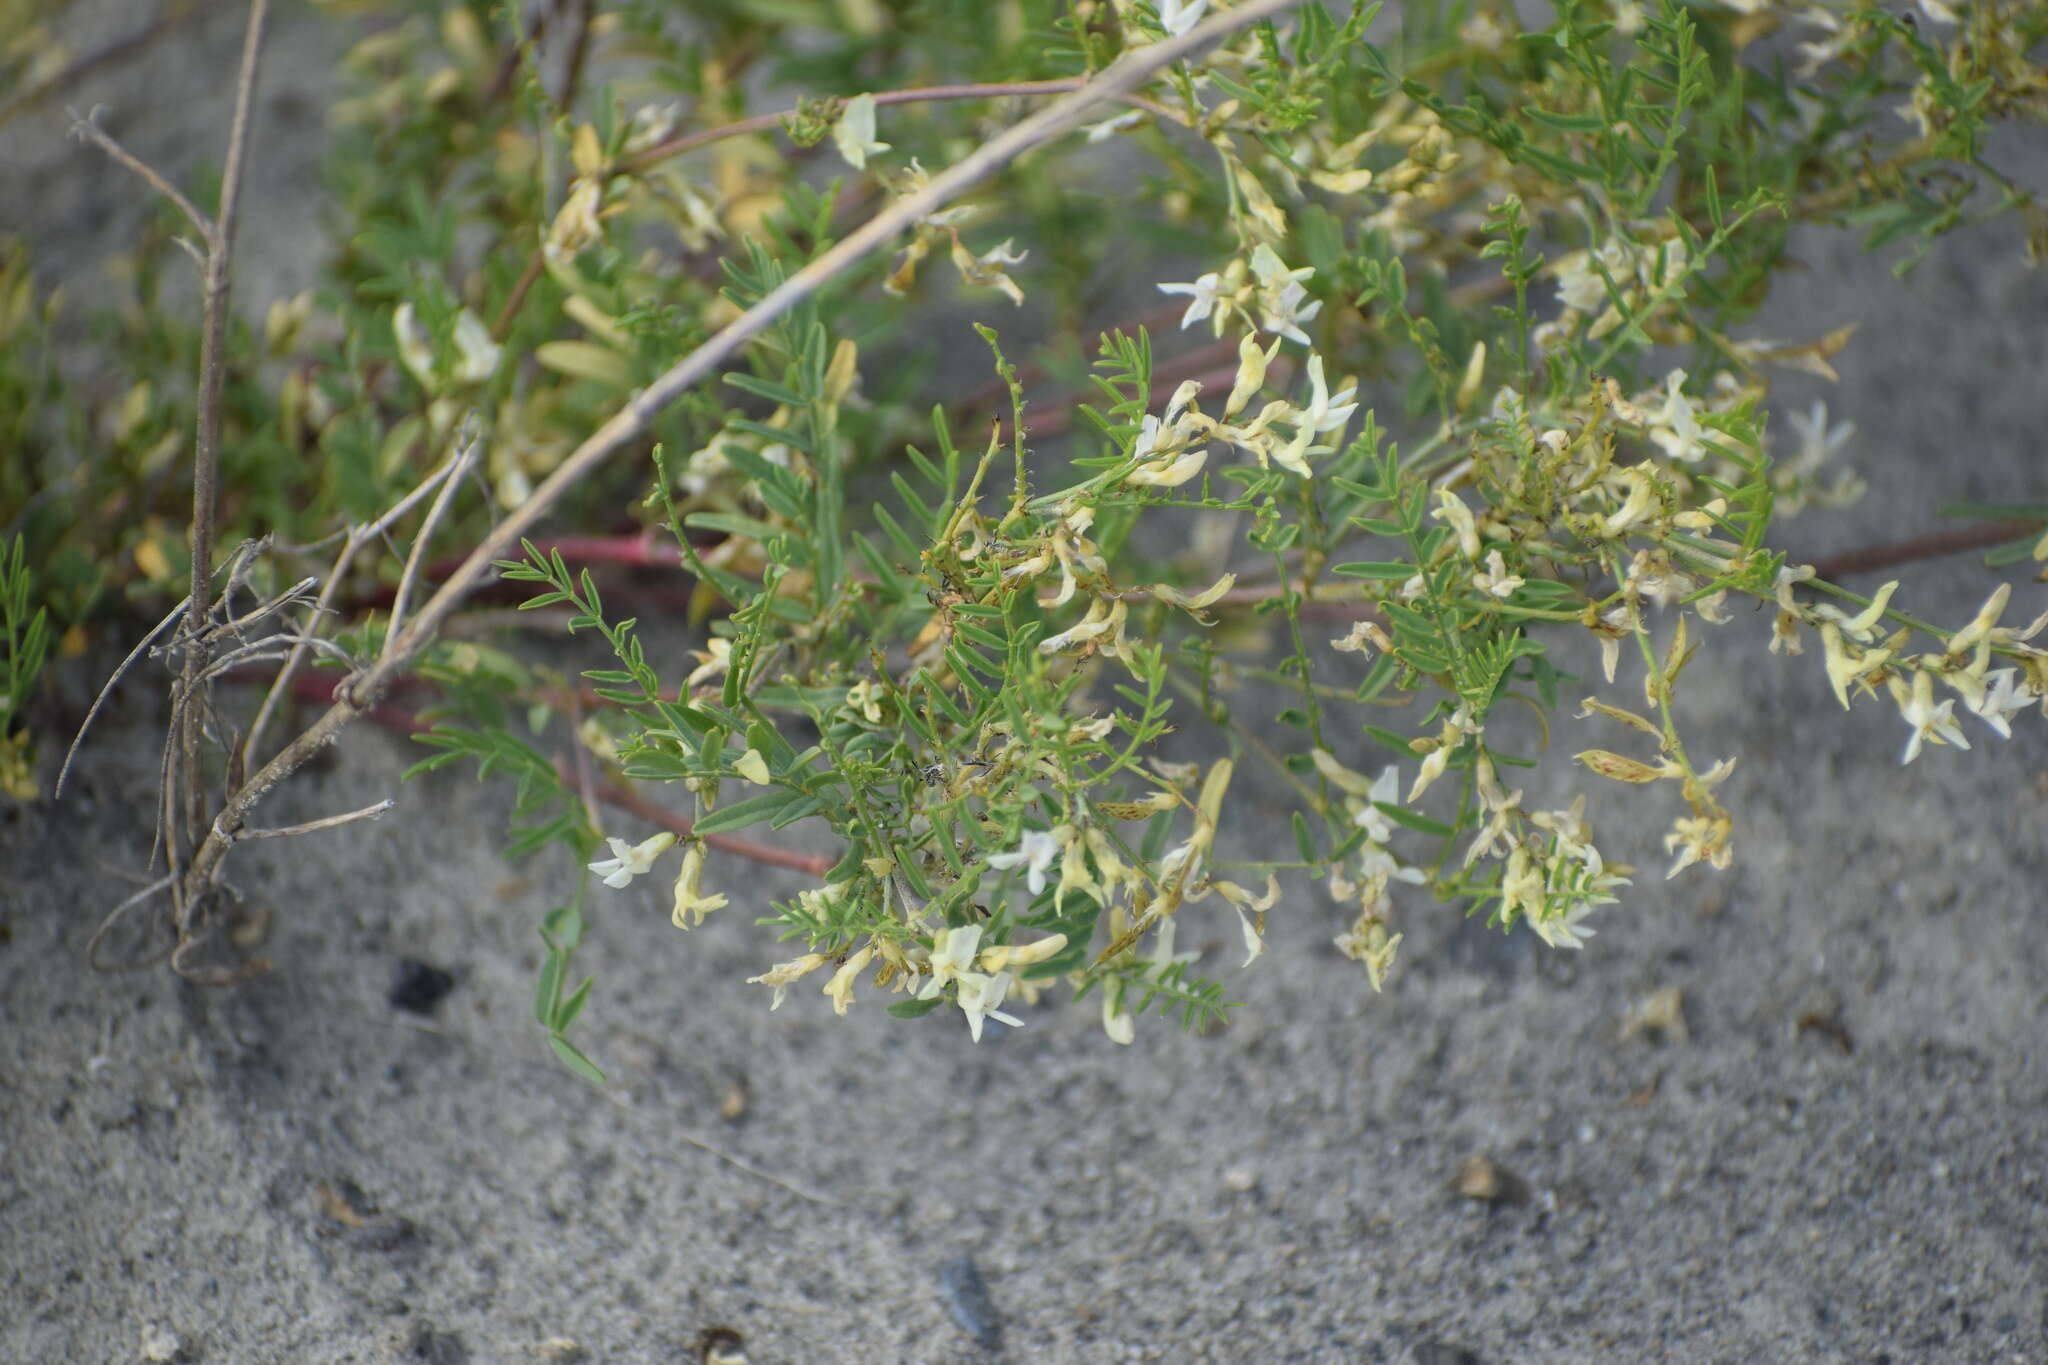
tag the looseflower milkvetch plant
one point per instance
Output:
(1457, 367)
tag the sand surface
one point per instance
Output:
(1846, 1159)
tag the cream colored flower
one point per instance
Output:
(1846, 663)
(1206, 291)
(1325, 414)
(476, 355)
(630, 860)
(854, 132)
(1099, 620)
(1178, 16)
(1170, 471)
(577, 225)
(1364, 638)
(1368, 941)
(1636, 507)
(1451, 509)
(1034, 854)
(1676, 428)
(978, 996)
(783, 973)
(840, 987)
(1979, 629)
(1699, 838)
(712, 660)
(1567, 930)
(1117, 1023)
(1281, 293)
(1818, 442)
(986, 270)
(866, 698)
(1252, 361)
(952, 953)
(1929, 721)
(691, 905)
(1251, 913)
(415, 346)
(1495, 578)
(1011, 955)
(2001, 699)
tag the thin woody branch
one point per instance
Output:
(760, 123)
(85, 128)
(187, 803)
(370, 812)
(352, 545)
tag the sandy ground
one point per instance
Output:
(1843, 1161)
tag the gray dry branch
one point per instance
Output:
(182, 802)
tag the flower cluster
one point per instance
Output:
(1173, 447)
(1610, 284)
(1261, 292)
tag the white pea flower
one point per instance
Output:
(2003, 698)
(714, 659)
(415, 346)
(1098, 622)
(1451, 509)
(1376, 866)
(1252, 360)
(1387, 789)
(952, 956)
(986, 270)
(476, 355)
(783, 973)
(691, 904)
(1636, 507)
(1170, 471)
(1206, 292)
(1676, 427)
(754, 768)
(631, 860)
(1116, 1022)
(1008, 955)
(840, 987)
(1251, 911)
(1580, 286)
(578, 224)
(1035, 853)
(1363, 639)
(979, 995)
(1324, 415)
(1496, 579)
(1568, 930)
(1284, 314)
(1818, 442)
(854, 132)
(1929, 721)
(1177, 17)
(1281, 293)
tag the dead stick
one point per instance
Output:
(185, 801)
